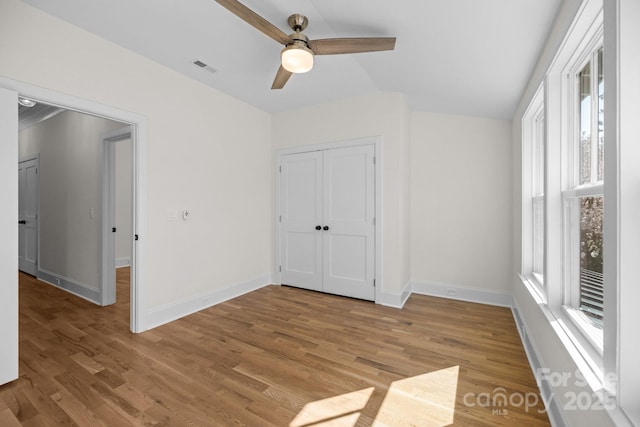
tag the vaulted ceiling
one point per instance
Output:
(469, 57)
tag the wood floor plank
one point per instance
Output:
(278, 356)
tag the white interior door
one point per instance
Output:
(349, 215)
(28, 216)
(301, 215)
(328, 221)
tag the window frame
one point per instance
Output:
(533, 190)
(585, 34)
(571, 279)
(538, 141)
(612, 374)
(572, 189)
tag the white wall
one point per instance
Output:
(201, 155)
(70, 177)
(383, 114)
(461, 201)
(124, 208)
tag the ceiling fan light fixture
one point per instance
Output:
(297, 58)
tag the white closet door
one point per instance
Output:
(328, 221)
(301, 211)
(348, 213)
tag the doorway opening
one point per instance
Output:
(76, 201)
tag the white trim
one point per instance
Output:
(394, 300)
(355, 142)
(186, 306)
(572, 344)
(139, 141)
(123, 262)
(461, 293)
(79, 289)
(534, 356)
(622, 207)
(377, 142)
(9, 317)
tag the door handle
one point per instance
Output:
(318, 228)
(22, 221)
(325, 228)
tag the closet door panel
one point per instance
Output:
(348, 214)
(301, 211)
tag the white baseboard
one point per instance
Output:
(175, 310)
(123, 262)
(74, 287)
(479, 295)
(395, 300)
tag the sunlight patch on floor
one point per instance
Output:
(423, 400)
(342, 410)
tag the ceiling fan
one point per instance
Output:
(297, 55)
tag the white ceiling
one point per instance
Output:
(469, 57)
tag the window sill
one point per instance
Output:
(535, 288)
(586, 359)
(592, 334)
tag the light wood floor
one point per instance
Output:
(277, 356)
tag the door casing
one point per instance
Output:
(138, 318)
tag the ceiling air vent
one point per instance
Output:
(205, 66)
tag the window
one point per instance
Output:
(584, 200)
(563, 190)
(590, 221)
(533, 127)
(537, 200)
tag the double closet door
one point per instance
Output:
(327, 230)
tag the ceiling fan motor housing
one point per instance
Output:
(298, 22)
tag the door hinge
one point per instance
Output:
(280, 168)
(280, 218)
(280, 269)
(374, 283)
(374, 221)
(374, 160)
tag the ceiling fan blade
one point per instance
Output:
(282, 76)
(351, 45)
(255, 20)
